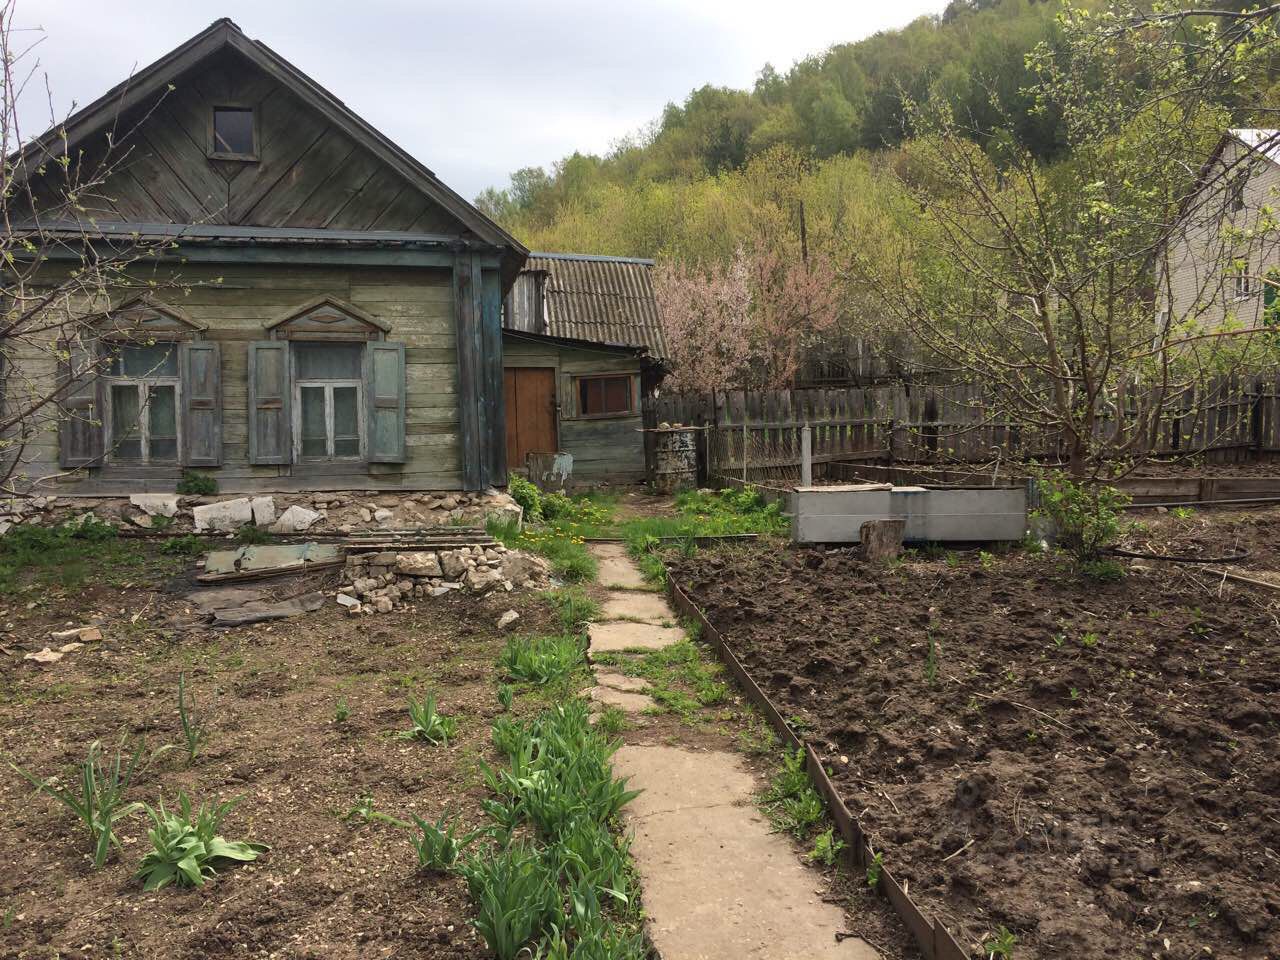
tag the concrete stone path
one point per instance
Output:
(616, 569)
(718, 883)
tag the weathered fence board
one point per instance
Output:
(756, 434)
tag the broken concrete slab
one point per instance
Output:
(616, 570)
(206, 601)
(264, 511)
(627, 702)
(224, 516)
(718, 883)
(260, 610)
(263, 559)
(626, 635)
(156, 504)
(648, 607)
(296, 519)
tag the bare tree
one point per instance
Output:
(63, 278)
(1043, 283)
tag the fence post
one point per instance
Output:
(744, 442)
(806, 456)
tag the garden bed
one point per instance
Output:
(331, 885)
(1093, 767)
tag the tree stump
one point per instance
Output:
(881, 539)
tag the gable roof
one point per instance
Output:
(607, 300)
(145, 86)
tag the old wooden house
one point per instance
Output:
(336, 319)
(582, 346)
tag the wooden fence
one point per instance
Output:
(756, 435)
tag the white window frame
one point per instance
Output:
(1243, 286)
(328, 385)
(143, 385)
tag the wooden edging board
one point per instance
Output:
(934, 940)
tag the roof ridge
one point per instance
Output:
(591, 257)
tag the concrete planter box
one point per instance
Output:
(938, 515)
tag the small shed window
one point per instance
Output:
(234, 133)
(142, 399)
(604, 396)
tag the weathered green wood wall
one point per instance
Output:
(309, 173)
(418, 303)
(608, 448)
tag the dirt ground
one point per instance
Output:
(329, 886)
(1095, 767)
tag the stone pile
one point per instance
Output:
(379, 582)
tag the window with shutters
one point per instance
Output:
(605, 396)
(142, 394)
(327, 387)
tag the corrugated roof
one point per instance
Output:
(601, 299)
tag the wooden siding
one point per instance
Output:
(603, 448)
(308, 173)
(416, 303)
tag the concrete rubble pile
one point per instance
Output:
(381, 582)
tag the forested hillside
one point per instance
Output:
(834, 104)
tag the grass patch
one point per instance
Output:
(71, 554)
(680, 680)
(569, 557)
(574, 608)
(791, 803)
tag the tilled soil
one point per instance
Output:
(1094, 767)
(329, 887)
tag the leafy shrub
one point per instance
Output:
(527, 495)
(98, 799)
(587, 854)
(186, 848)
(437, 845)
(428, 723)
(583, 511)
(1088, 519)
(540, 659)
(197, 484)
(185, 546)
(516, 896)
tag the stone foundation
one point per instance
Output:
(328, 512)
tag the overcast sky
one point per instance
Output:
(473, 90)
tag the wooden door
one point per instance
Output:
(531, 412)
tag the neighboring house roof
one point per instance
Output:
(608, 300)
(1266, 142)
(150, 83)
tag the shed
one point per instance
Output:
(582, 347)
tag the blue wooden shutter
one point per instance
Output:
(384, 387)
(80, 419)
(270, 433)
(200, 367)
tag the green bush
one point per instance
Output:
(527, 495)
(186, 848)
(1087, 519)
(197, 484)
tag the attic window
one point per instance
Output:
(233, 135)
